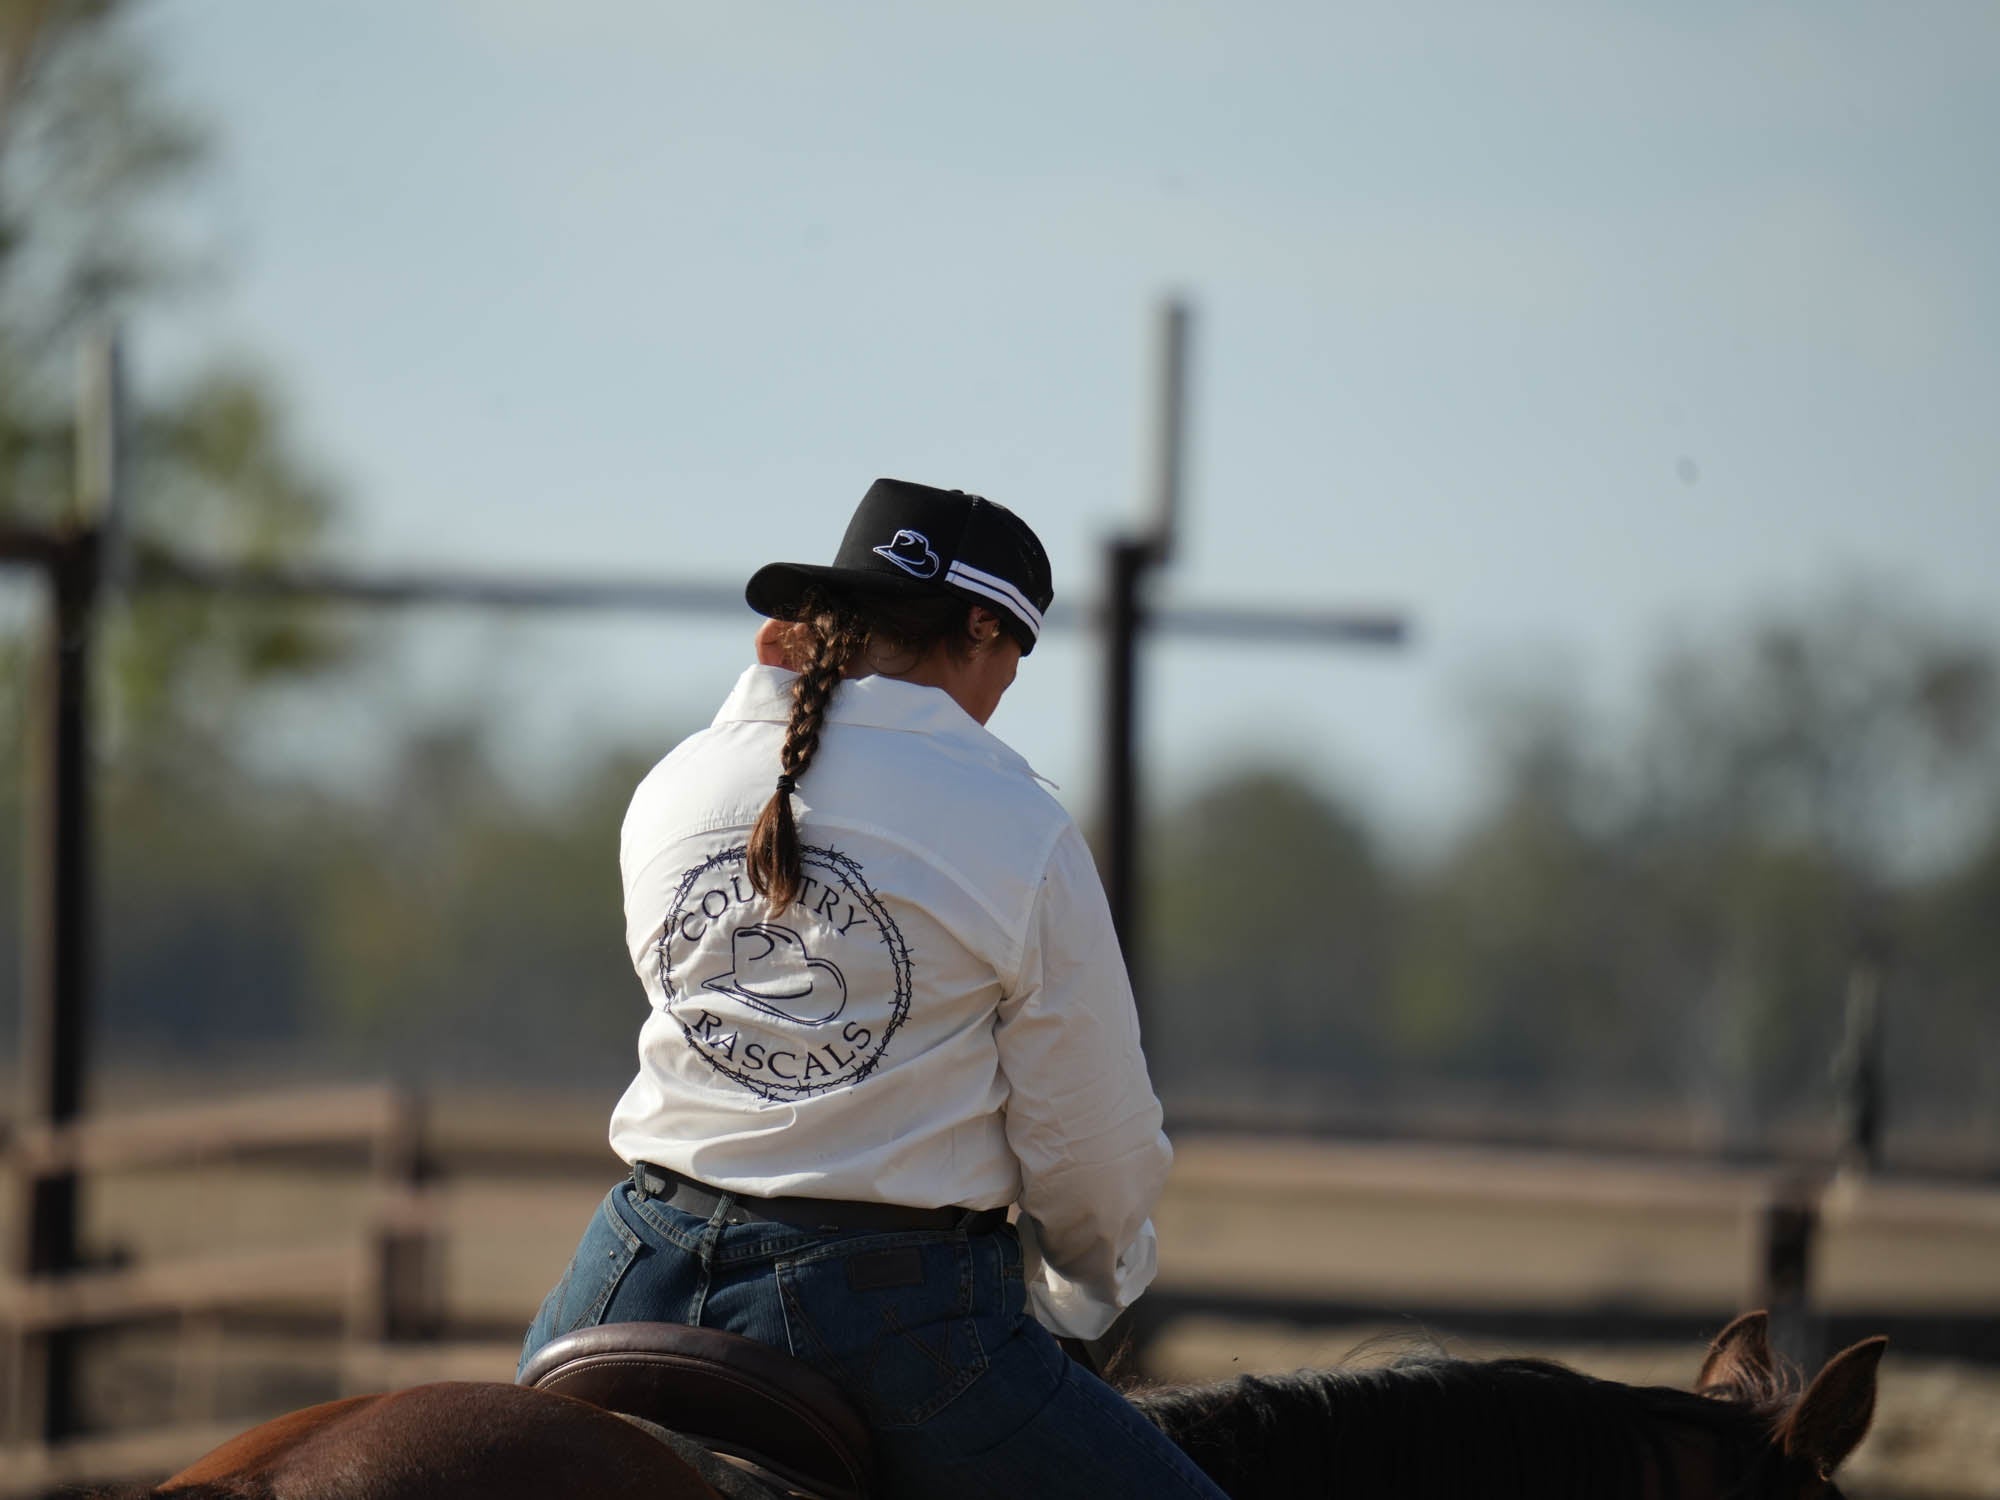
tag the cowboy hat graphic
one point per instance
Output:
(773, 972)
(910, 551)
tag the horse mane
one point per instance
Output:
(222, 1490)
(1428, 1426)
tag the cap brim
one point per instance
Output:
(778, 589)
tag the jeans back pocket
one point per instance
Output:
(889, 1318)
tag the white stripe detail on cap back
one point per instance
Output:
(1000, 591)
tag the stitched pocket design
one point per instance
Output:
(889, 1317)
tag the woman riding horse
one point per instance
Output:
(887, 1004)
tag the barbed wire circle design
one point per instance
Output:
(786, 1005)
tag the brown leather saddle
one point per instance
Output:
(745, 1401)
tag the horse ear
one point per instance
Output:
(1833, 1416)
(1740, 1359)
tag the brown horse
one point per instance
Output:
(1464, 1429)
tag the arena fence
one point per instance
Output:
(380, 1284)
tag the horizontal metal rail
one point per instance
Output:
(409, 589)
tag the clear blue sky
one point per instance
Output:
(1563, 327)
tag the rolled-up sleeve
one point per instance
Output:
(1081, 1115)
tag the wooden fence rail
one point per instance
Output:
(382, 1283)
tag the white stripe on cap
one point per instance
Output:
(1000, 591)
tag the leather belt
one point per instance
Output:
(830, 1214)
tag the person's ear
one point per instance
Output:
(776, 645)
(983, 626)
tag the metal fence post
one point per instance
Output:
(55, 1012)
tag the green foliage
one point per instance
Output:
(463, 930)
(1269, 922)
(1852, 727)
(205, 898)
(89, 155)
(1951, 1046)
(446, 928)
(444, 924)
(1510, 970)
(217, 478)
(1668, 919)
(94, 168)
(90, 161)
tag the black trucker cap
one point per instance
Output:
(911, 539)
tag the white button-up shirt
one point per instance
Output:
(943, 1017)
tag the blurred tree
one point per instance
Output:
(91, 163)
(1855, 726)
(1269, 915)
(88, 154)
(1790, 788)
(1944, 1003)
(1662, 916)
(206, 909)
(1511, 972)
(437, 922)
(1677, 914)
(465, 931)
(95, 169)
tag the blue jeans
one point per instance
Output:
(926, 1330)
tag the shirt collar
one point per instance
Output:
(764, 694)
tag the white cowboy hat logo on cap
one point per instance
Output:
(773, 971)
(910, 551)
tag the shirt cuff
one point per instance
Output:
(1070, 1309)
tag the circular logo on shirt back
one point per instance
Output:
(786, 1004)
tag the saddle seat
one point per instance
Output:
(743, 1400)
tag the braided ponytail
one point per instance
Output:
(833, 637)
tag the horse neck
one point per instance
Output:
(1512, 1428)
